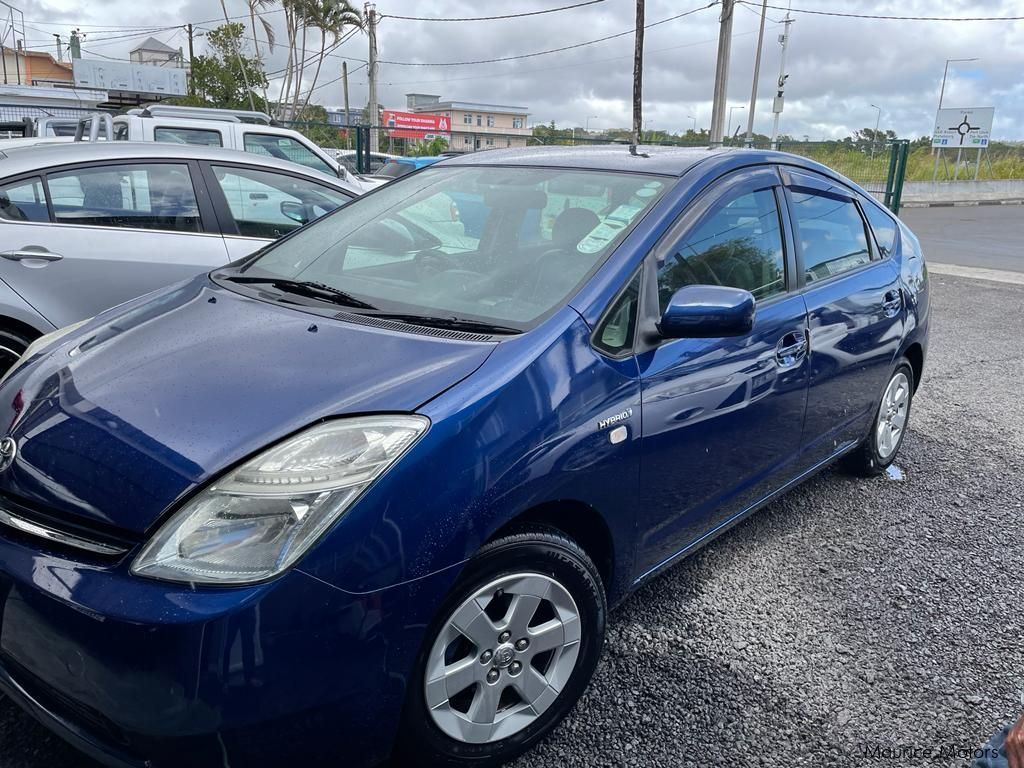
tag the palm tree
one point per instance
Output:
(256, 6)
(331, 17)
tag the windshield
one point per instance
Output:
(489, 244)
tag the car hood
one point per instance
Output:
(130, 413)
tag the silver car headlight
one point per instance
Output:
(260, 518)
(40, 344)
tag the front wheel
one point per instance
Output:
(12, 347)
(888, 429)
(513, 648)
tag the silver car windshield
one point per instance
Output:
(491, 244)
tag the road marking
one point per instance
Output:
(977, 273)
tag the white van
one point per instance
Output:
(253, 132)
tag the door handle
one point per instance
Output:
(892, 303)
(792, 349)
(28, 255)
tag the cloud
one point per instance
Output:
(838, 66)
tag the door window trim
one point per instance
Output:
(735, 182)
(227, 225)
(824, 187)
(206, 216)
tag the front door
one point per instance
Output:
(855, 313)
(722, 417)
(118, 231)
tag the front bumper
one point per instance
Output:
(137, 672)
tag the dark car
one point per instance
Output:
(372, 491)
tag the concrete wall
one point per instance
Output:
(962, 191)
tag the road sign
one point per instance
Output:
(964, 128)
(412, 125)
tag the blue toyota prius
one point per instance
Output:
(370, 492)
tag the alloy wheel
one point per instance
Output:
(502, 658)
(892, 415)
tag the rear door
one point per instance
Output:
(118, 230)
(722, 417)
(855, 312)
(256, 206)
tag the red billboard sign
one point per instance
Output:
(411, 125)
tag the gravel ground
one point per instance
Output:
(848, 616)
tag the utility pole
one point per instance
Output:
(344, 87)
(60, 49)
(779, 102)
(372, 74)
(191, 60)
(241, 62)
(757, 74)
(638, 75)
(722, 71)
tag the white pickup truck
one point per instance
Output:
(253, 132)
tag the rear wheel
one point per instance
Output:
(12, 347)
(889, 427)
(512, 649)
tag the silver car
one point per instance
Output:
(84, 227)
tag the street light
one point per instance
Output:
(589, 118)
(874, 136)
(945, 72)
(691, 117)
(730, 115)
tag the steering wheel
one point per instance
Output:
(432, 263)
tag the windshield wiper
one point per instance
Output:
(309, 288)
(450, 323)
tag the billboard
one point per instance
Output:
(131, 78)
(412, 125)
(963, 128)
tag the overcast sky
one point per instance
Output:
(838, 66)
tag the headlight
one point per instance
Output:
(41, 343)
(257, 520)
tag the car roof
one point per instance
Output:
(38, 157)
(664, 160)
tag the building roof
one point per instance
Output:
(447, 106)
(152, 44)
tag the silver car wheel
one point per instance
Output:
(892, 415)
(502, 658)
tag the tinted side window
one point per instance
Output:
(137, 196)
(884, 227)
(285, 148)
(270, 205)
(738, 244)
(831, 235)
(23, 201)
(193, 136)
(616, 333)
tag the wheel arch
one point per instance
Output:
(915, 356)
(579, 521)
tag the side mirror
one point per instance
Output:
(294, 211)
(707, 311)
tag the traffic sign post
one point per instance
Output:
(963, 128)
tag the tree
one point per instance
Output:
(435, 146)
(331, 18)
(219, 76)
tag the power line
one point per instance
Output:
(587, 63)
(545, 53)
(892, 18)
(493, 18)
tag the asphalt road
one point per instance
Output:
(849, 616)
(988, 236)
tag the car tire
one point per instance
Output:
(889, 425)
(497, 594)
(12, 347)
